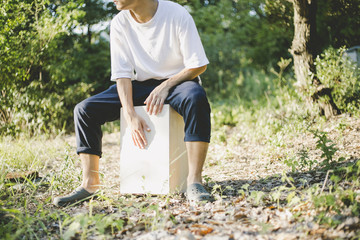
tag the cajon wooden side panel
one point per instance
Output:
(178, 155)
(161, 168)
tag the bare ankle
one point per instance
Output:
(193, 179)
(91, 185)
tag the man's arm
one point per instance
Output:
(155, 101)
(136, 123)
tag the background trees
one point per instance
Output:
(52, 56)
(54, 53)
(303, 49)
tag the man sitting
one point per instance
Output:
(156, 58)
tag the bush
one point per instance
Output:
(47, 67)
(338, 73)
(37, 108)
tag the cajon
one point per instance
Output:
(161, 167)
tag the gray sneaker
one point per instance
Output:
(197, 193)
(76, 197)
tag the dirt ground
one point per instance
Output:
(228, 169)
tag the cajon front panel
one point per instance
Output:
(161, 167)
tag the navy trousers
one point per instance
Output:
(188, 99)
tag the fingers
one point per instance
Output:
(154, 105)
(155, 101)
(135, 141)
(148, 103)
(138, 134)
(139, 138)
(159, 107)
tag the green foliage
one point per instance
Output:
(257, 196)
(239, 45)
(53, 46)
(26, 210)
(28, 29)
(276, 194)
(337, 202)
(337, 23)
(37, 109)
(350, 172)
(86, 225)
(338, 73)
(327, 147)
(303, 162)
(46, 67)
(300, 162)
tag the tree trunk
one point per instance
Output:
(89, 33)
(303, 49)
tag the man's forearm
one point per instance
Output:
(137, 124)
(124, 88)
(184, 75)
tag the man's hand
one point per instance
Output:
(138, 127)
(155, 101)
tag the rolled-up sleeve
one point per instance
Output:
(121, 67)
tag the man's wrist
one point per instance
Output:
(129, 112)
(168, 84)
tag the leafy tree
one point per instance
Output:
(315, 28)
(28, 30)
(239, 39)
(54, 53)
(47, 65)
(337, 23)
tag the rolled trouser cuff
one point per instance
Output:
(88, 151)
(196, 138)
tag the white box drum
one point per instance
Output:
(161, 167)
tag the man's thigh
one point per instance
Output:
(100, 108)
(106, 105)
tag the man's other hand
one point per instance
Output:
(155, 101)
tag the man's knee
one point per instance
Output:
(81, 108)
(197, 97)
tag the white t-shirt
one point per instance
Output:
(159, 48)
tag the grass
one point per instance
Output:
(276, 124)
(26, 209)
(290, 133)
